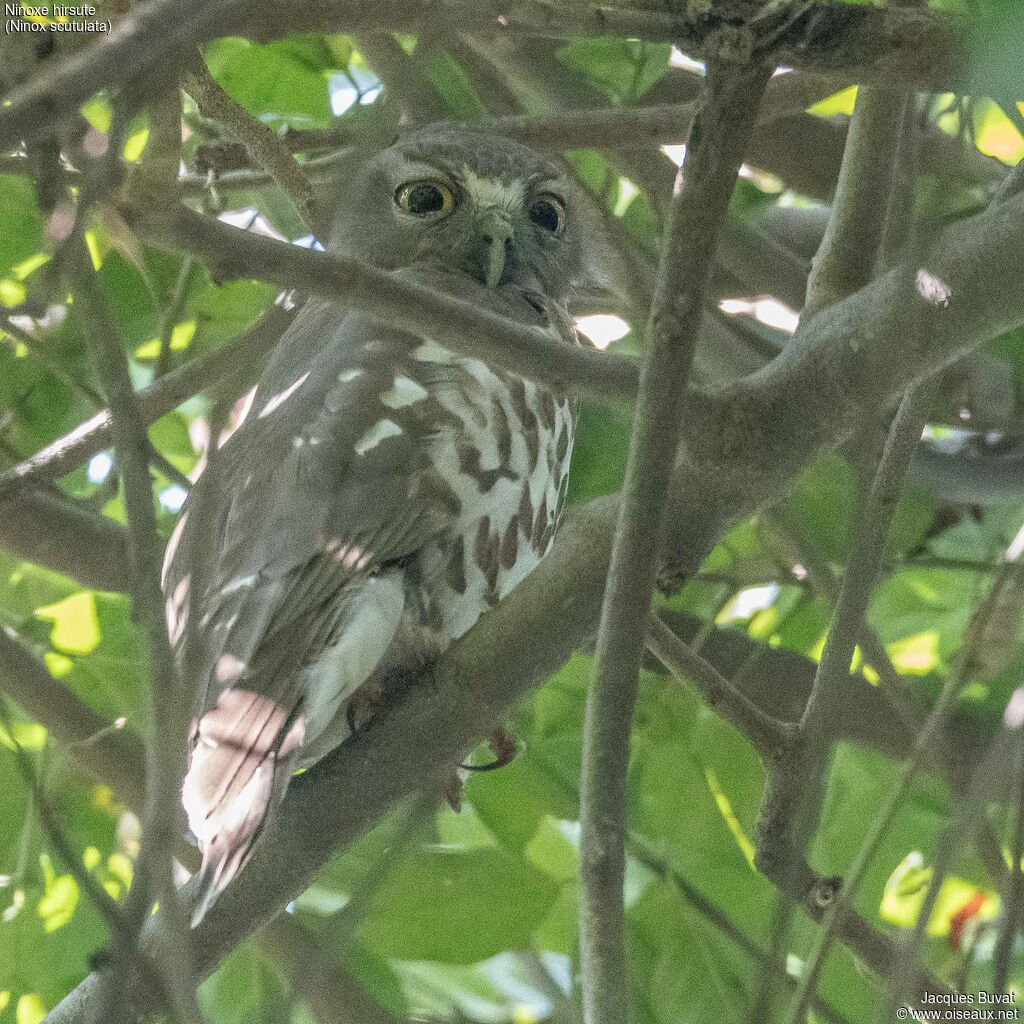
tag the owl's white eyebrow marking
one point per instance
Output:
(380, 431)
(283, 396)
(347, 376)
(405, 391)
(490, 192)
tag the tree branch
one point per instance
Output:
(780, 832)
(169, 699)
(264, 145)
(704, 186)
(64, 536)
(848, 255)
(231, 368)
(111, 754)
(846, 260)
(122, 935)
(920, 47)
(402, 76)
(768, 735)
(138, 55)
(232, 253)
(334, 997)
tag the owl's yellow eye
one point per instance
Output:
(548, 212)
(425, 198)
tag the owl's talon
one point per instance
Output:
(505, 748)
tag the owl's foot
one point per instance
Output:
(505, 748)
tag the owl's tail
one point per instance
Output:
(240, 768)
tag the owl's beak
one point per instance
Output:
(495, 229)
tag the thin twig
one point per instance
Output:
(989, 777)
(717, 143)
(122, 934)
(640, 850)
(1013, 894)
(317, 975)
(233, 367)
(39, 349)
(113, 755)
(98, 896)
(854, 875)
(781, 829)
(990, 774)
(172, 312)
(847, 259)
(767, 734)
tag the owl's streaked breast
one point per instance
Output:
(504, 449)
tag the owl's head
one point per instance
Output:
(450, 198)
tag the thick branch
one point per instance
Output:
(849, 251)
(56, 532)
(232, 253)
(919, 47)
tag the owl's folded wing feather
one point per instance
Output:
(315, 500)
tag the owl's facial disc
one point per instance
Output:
(485, 207)
(486, 225)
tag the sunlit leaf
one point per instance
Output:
(76, 626)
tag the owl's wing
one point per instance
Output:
(325, 487)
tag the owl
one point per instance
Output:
(383, 491)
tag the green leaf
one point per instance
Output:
(21, 223)
(824, 502)
(625, 69)
(278, 82)
(60, 898)
(76, 626)
(457, 906)
(244, 990)
(599, 451)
